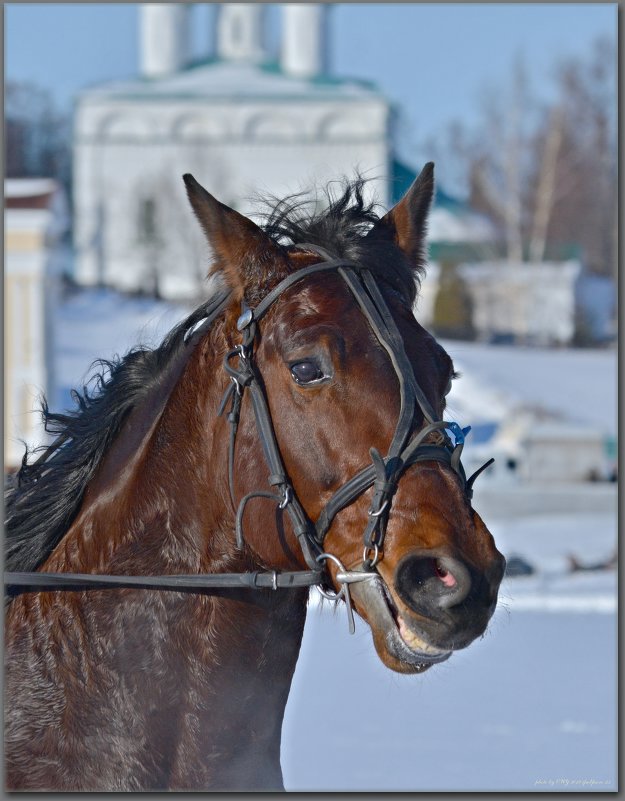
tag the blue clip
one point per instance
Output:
(459, 433)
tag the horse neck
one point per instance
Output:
(157, 502)
(218, 667)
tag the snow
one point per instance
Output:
(101, 323)
(28, 187)
(573, 385)
(546, 541)
(530, 706)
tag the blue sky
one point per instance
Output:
(434, 60)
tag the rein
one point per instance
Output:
(406, 448)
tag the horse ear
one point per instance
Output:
(406, 223)
(244, 252)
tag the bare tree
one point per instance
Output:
(546, 196)
(37, 134)
(547, 173)
(586, 208)
(495, 156)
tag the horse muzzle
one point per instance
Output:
(402, 653)
(430, 606)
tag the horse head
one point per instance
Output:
(368, 481)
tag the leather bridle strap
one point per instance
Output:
(415, 451)
(278, 477)
(270, 298)
(196, 583)
(402, 363)
(17, 582)
(386, 472)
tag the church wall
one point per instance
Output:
(132, 153)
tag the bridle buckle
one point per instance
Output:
(286, 500)
(379, 511)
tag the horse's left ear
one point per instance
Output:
(406, 223)
(245, 254)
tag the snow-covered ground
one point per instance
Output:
(99, 324)
(532, 705)
(574, 385)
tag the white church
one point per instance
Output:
(240, 121)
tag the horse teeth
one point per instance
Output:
(412, 640)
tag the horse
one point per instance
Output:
(288, 433)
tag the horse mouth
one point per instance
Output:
(398, 645)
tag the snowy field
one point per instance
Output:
(532, 705)
(575, 385)
(99, 324)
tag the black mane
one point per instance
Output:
(339, 223)
(43, 498)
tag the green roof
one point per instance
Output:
(323, 79)
(402, 177)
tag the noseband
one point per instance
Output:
(408, 446)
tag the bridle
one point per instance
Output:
(407, 447)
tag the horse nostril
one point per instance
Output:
(429, 582)
(456, 581)
(444, 575)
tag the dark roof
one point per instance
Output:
(402, 177)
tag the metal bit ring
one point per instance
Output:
(376, 555)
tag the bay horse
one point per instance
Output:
(161, 550)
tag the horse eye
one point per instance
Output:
(306, 372)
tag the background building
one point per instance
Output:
(238, 121)
(35, 222)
